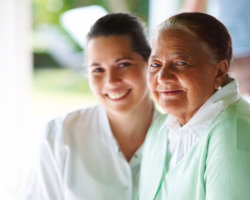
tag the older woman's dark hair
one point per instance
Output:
(207, 28)
(119, 24)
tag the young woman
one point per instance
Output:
(95, 153)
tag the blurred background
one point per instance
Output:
(42, 69)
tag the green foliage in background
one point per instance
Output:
(49, 11)
(139, 8)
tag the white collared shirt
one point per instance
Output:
(81, 160)
(182, 138)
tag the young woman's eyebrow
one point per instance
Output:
(123, 58)
(94, 64)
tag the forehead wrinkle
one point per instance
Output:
(154, 57)
(189, 48)
(175, 51)
(176, 44)
(179, 47)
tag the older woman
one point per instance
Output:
(201, 148)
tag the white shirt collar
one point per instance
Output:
(199, 123)
(136, 158)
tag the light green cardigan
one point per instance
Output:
(216, 168)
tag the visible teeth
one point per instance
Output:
(117, 95)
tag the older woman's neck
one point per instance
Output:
(227, 80)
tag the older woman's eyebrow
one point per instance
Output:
(174, 55)
(154, 57)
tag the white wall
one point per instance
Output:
(15, 87)
(159, 10)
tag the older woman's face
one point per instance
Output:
(181, 73)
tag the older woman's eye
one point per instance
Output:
(153, 67)
(181, 63)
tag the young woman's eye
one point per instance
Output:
(97, 70)
(124, 64)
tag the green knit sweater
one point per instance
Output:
(216, 168)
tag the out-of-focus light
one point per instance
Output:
(78, 21)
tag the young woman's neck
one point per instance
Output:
(130, 128)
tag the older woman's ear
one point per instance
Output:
(222, 76)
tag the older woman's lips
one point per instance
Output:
(171, 92)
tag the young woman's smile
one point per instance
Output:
(117, 74)
(118, 94)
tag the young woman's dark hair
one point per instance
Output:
(207, 28)
(118, 24)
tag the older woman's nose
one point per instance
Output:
(166, 75)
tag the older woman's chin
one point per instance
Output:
(181, 109)
(171, 107)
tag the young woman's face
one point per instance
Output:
(117, 74)
(181, 73)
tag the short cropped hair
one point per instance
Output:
(119, 24)
(207, 28)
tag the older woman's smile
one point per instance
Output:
(171, 92)
(181, 74)
(200, 149)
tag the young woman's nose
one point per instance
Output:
(113, 76)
